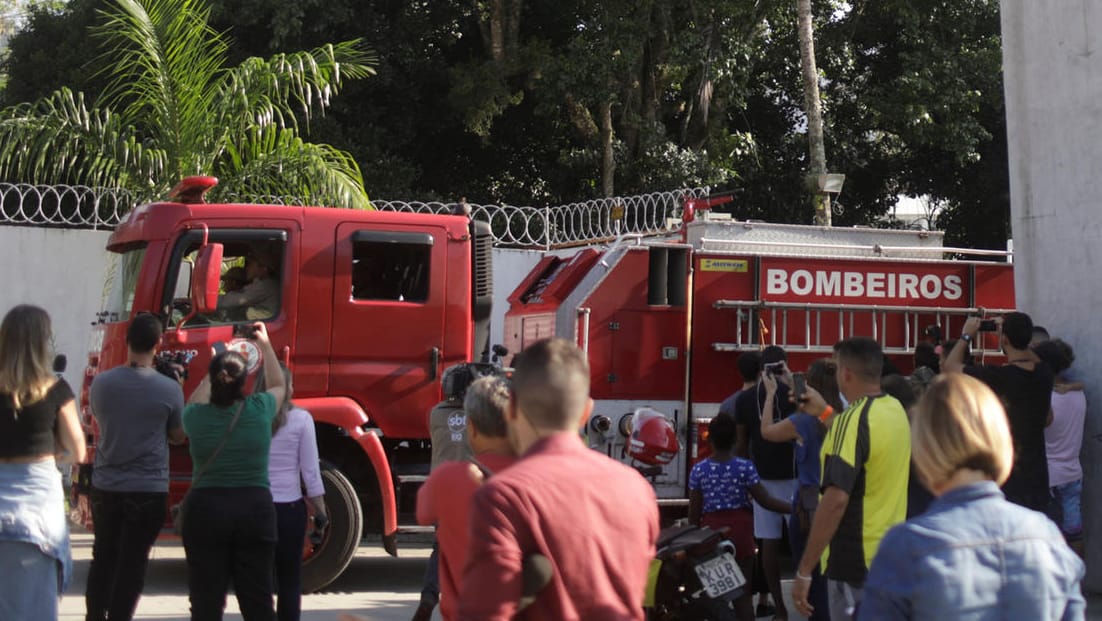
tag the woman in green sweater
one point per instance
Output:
(229, 521)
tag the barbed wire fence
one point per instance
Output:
(74, 206)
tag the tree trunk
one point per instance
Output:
(813, 108)
(512, 29)
(608, 162)
(497, 30)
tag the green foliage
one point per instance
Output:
(701, 92)
(172, 108)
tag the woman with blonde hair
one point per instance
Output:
(973, 554)
(38, 428)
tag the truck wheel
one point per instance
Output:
(324, 562)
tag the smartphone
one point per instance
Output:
(219, 347)
(799, 386)
(243, 331)
(988, 325)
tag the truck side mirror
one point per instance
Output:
(206, 278)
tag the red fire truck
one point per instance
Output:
(375, 305)
(663, 320)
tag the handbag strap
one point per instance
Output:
(218, 449)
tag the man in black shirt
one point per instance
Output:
(774, 462)
(1024, 384)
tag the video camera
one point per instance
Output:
(172, 364)
(459, 377)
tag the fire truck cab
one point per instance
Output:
(367, 308)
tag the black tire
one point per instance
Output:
(326, 561)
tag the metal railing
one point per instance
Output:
(539, 227)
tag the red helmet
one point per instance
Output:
(653, 439)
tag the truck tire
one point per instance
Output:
(322, 564)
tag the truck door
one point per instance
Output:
(388, 321)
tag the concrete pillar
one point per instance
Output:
(1052, 63)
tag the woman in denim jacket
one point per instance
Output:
(38, 421)
(972, 555)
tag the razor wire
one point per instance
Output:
(74, 206)
(70, 206)
(567, 225)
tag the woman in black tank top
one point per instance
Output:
(38, 420)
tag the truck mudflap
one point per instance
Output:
(373, 447)
(348, 416)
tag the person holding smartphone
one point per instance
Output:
(229, 519)
(774, 462)
(1025, 385)
(806, 432)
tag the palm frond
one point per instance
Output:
(172, 109)
(274, 161)
(60, 139)
(261, 92)
(165, 61)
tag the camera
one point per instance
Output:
(244, 331)
(799, 386)
(172, 364)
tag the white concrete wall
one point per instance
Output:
(61, 270)
(1052, 60)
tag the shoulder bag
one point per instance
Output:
(177, 509)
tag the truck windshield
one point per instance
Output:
(122, 282)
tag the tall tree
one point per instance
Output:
(173, 108)
(813, 108)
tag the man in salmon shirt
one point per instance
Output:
(594, 518)
(445, 498)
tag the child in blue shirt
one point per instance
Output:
(720, 489)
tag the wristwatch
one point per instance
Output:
(967, 338)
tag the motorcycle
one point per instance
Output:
(694, 576)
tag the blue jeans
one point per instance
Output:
(32, 510)
(126, 527)
(291, 527)
(29, 587)
(1065, 508)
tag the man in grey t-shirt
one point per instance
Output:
(138, 413)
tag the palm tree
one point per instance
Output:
(173, 108)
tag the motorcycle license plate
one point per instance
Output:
(720, 575)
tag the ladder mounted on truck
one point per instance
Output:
(768, 323)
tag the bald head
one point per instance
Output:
(551, 384)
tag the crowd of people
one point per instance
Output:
(953, 493)
(902, 497)
(243, 520)
(898, 478)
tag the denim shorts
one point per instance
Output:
(1065, 501)
(767, 524)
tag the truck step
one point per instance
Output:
(411, 478)
(413, 529)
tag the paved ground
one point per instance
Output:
(375, 586)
